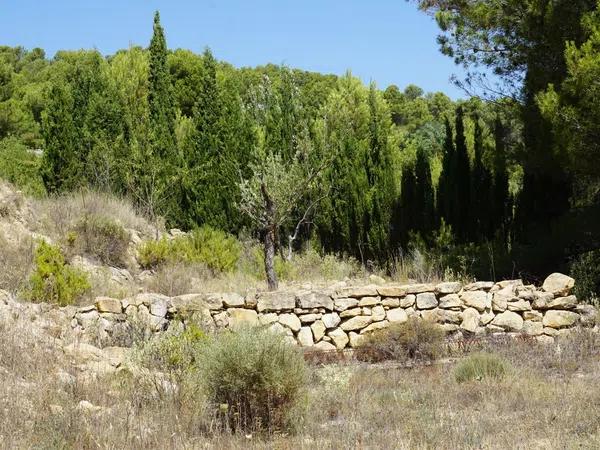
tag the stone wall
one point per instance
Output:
(339, 316)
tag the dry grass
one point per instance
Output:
(60, 214)
(537, 405)
(16, 261)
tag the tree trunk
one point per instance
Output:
(269, 240)
(269, 244)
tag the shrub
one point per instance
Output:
(479, 367)
(586, 271)
(16, 261)
(53, 280)
(152, 254)
(102, 238)
(416, 339)
(215, 248)
(254, 377)
(21, 166)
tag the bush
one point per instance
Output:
(586, 271)
(102, 238)
(479, 367)
(16, 261)
(21, 166)
(416, 339)
(254, 377)
(215, 248)
(53, 280)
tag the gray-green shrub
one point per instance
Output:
(254, 378)
(415, 339)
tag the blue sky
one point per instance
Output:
(388, 41)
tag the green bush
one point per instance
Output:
(53, 280)
(416, 339)
(585, 269)
(102, 238)
(254, 377)
(20, 166)
(479, 367)
(216, 249)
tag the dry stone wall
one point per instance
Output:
(339, 316)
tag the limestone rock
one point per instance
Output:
(305, 337)
(509, 321)
(369, 301)
(108, 305)
(542, 300)
(486, 318)
(318, 329)
(378, 313)
(426, 300)
(470, 320)
(324, 346)
(418, 288)
(355, 339)
(352, 312)
(374, 327)
(533, 328)
(408, 301)
(339, 338)
(356, 323)
(479, 286)
(331, 320)
(432, 315)
(309, 318)
(519, 306)
(233, 300)
(476, 299)
(266, 319)
(450, 301)
(391, 302)
(500, 302)
(359, 291)
(315, 300)
(397, 315)
(291, 321)
(276, 301)
(159, 307)
(195, 302)
(533, 316)
(239, 317)
(342, 304)
(558, 284)
(222, 319)
(391, 291)
(559, 319)
(448, 288)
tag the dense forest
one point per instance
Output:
(503, 184)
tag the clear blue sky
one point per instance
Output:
(388, 41)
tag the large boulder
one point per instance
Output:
(558, 284)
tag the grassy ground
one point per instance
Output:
(549, 399)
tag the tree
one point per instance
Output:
(273, 193)
(461, 179)
(481, 220)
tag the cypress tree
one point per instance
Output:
(481, 220)
(445, 186)
(461, 180)
(500, 194)
(408, 204)
(424, 197)
(162, 111)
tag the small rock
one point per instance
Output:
(324, 346)
(560, 319)
(397, 315)
(309, 318)
(391, 291)
(476, 299)
(519, 306)
(450, 301)
(509, 321)
(378, 313)
(331, 320)
(369, 301)
(356, 323)
(318, 329)
(108, 305)
(342, 304)
(339, 338)
(315, 300)
(391, 302)
(408, 301)
(305, 337)
(448, 288)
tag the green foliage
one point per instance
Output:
(585, 269)
(416, 339)
(254, 377)
(173, 352)
(102, 238)
(480, 367)
(217, 249)
(21, 167)
(53, 280)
